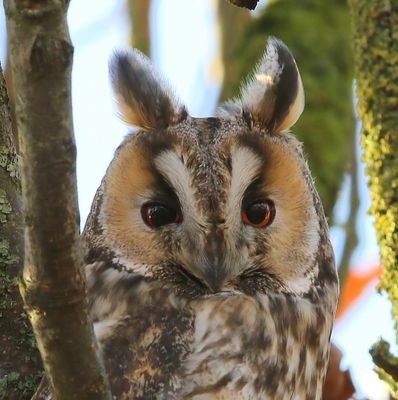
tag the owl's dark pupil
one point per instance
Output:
(256, 213)
(156, 214)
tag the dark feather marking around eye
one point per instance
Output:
(163, 191)
(154, 144)
(255, 143)
(255, 191)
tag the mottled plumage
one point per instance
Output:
(209, 305)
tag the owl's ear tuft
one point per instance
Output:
(273, 95)
(145, 100)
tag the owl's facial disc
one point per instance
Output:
(225, 212)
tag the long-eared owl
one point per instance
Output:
(210, 272)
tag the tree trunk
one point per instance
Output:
(375, 25)
(52, 285)
(11, 101)
(20, 367)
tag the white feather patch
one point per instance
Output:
(174, 171)
(245, 167)
(104, 329)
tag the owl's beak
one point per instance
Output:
(214, 272)
(214, 275)
(204, 258)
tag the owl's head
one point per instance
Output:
(205, 205)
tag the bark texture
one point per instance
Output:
(52, 284)
(20, 367)
(11, 101)
(375, 25)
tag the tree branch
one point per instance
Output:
(386, 365)
(52, 284)
(250, 4)
(350, 227)
(382, 357)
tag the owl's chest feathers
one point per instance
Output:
(270, 347)
(226, 345)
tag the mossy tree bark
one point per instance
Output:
(375, 24)
(11, 100)
(52, 285)
(20, 367)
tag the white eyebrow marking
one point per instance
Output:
(245, 167)
(174, 171)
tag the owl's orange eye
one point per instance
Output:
(259, 214)
(157, 214)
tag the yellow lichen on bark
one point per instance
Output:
(375, 26)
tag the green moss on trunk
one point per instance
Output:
(375, 24)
